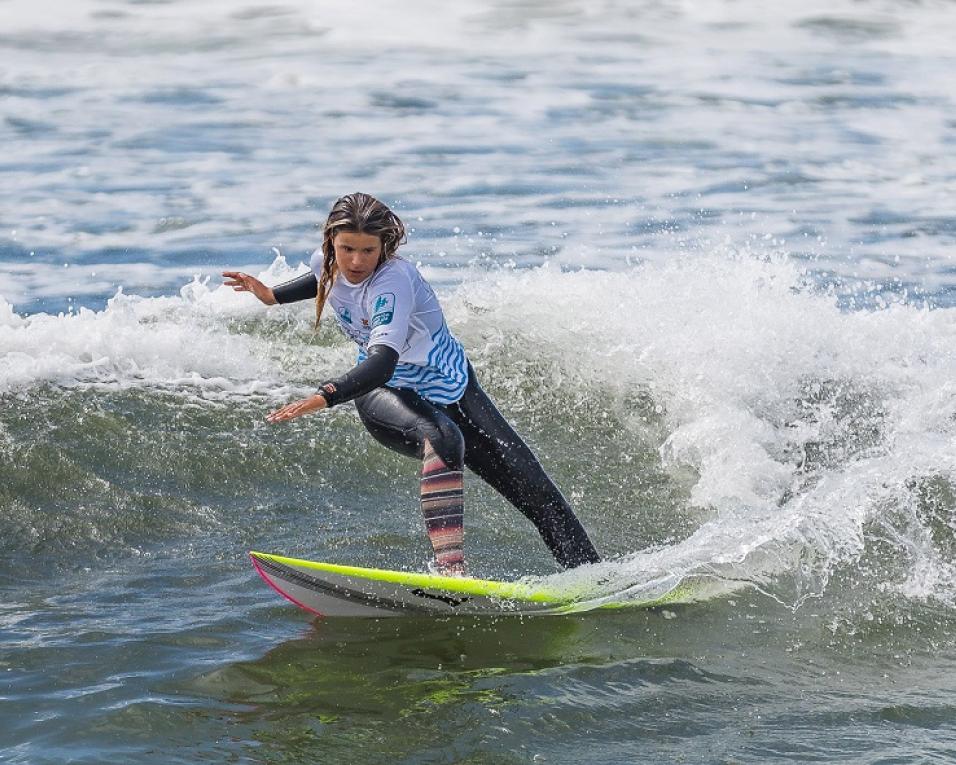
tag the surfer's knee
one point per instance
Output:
(447, 441)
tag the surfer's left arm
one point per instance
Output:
(373, 372)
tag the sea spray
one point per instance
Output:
(806, 426)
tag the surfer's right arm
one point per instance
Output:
(376, 370)
(301, 288)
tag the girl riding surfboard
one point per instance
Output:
(413, 386)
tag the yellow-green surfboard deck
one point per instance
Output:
(331, 589)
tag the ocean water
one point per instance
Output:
(703, 255)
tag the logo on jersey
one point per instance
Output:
(383, 309)
(345, 315)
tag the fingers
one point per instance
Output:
(277, 415)
(240, 281)
(296, 409)
(280, 415)
(287, 412)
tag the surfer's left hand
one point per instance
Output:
(296, 408)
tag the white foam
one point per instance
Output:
(169, 342)
(740, 356)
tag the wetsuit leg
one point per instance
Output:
(403, 421)
(496, 453)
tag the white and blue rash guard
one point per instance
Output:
(395, 307)
(397, 322)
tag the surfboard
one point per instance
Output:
(331, 589)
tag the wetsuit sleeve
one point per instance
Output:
(389, 307)
(372, 373)
(301, 288)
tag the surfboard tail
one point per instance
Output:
(274, 584)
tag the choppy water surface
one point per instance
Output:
(701, 254)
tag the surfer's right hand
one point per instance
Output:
(244, 283)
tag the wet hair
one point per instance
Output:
(356, 213)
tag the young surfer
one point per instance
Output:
(413, 386)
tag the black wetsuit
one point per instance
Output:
(470, 432)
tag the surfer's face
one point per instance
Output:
(356, 255)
